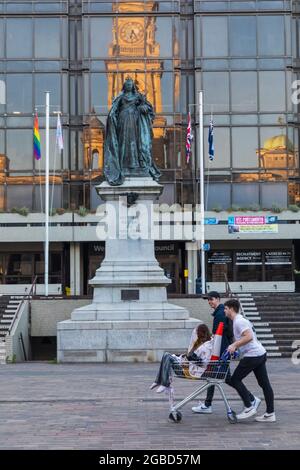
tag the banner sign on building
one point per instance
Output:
(252, 224)
(278, 257)
(248, 257)
(220, 257)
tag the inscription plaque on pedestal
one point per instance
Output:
(130, 294)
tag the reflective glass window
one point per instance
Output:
(18, 37)
(19, 196)
(214, 36)
(2, 94)
(19, 93)
(222, 147)
(244, 147)
(48, 82)
(1, 37)
(163, 35)
(274, 193)
(47, 38)
(218, 195)
(270, 30)
(243, 91)
(245, 194)
(242, 36)
(216, 89)
(101, 36)
(99, 93)
(19, 149)
(272, 91)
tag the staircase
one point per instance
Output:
(282, 312)
(276, 318)
(8, 308)
(262, 327)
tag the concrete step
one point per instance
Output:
(264, 335)
(274, 354)
(269, 341)
(5, 321)
(263, 330)
(8, 316)
(272, 348)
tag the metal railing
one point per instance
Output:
(27, 296)
(228, 291)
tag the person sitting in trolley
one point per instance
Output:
(192, 364)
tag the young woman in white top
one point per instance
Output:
(200, 349)
(254, 359)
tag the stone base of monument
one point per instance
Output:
(130, 318)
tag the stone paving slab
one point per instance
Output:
(109, 406)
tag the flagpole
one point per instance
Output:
(201, 179)
(47, 196)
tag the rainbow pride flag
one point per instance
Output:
(36, 139)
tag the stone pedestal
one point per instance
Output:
(130, 318)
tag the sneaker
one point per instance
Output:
(202, 408)
(266, 418)
(246, 413)
(161, 389)
(256, 402)
(153, 385)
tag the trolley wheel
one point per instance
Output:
(175, 416)
(232, 417)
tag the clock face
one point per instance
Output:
(132, 32)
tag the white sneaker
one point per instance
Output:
(246, 413)
(256, 402)
(266, 418)
(202, 408)
(161, 389)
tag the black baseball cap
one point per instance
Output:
(213, 295)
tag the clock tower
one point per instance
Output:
(134, 52)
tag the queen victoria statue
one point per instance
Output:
(128, 143)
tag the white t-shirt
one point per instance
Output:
(252, 349)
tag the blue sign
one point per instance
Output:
(271, 219)
(206, 246)
(211, 221)
(231, 220)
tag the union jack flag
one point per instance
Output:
(189, 139)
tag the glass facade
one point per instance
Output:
(243, 54)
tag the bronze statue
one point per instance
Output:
(128, 143)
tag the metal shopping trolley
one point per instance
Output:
(215, 373)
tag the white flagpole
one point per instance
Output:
(201, 175)
(47, 196)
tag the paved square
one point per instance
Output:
(110, 406)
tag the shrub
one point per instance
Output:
(254, 207)
(294, 208)
(276, 209)
(60, 211)
(20, 210)
(217, 208)
(82, 211)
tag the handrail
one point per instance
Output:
(23, 347)
(228, 291)
(32, 292)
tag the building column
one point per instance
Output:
(75, 268)
(191, 249)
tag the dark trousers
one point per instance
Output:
(211, 391)
(167, 363)
(257, 365)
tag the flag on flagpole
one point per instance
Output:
(36, 138)
(189, 139)
(59, 136)
(211, 148)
